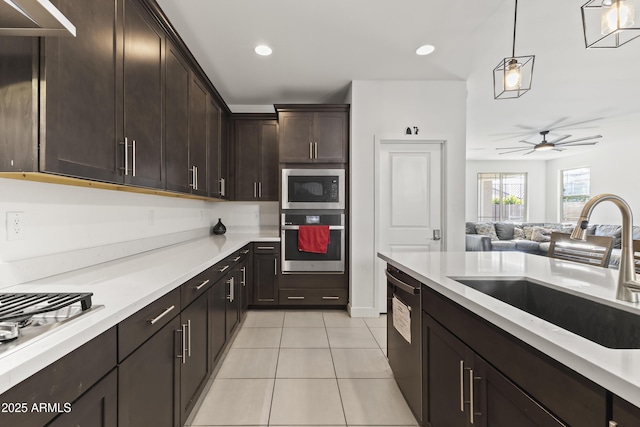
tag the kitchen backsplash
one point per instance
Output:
(64, 228)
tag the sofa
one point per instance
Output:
(534, 237)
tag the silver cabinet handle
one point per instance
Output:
(126, 155)
(613, 424)
(275, 266)
(161, 315)
(462, 386)
(133, 150)
(183, 354)
(331, 298)
(471, 396)
(266, 247)
(295, 297)
(260, 189)
(236, 258)
(201, 285)
(222, 187)
(315, 150)
(194, 183)
(222, 270)
(231, 295)
(196, 168)
(310, 150)
(189, 337)
(244, 252)
(244, 276)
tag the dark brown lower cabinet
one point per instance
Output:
(147, 381)
(195, 361)
(464, 390)
(233, 301)
(624, 414)
(266, 267)
(217, 318)
(96, 408)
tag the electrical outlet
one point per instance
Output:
(15, 225)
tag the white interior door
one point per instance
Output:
(409, 201)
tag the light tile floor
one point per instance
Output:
(304, 368)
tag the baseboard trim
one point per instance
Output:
(362, 311)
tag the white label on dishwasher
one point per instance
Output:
(402, 319)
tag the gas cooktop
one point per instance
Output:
(24, 316)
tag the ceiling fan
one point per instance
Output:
(555, 145)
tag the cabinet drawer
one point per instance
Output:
(193, 288)
(63, 381)
(266, 247)
(137, 328)
(313, 296)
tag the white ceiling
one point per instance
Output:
(320, 46)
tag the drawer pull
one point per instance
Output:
(266, 299)
(266, 247)
(295, 297)
(236, 258)
(333, 298)
(223, 269)
(201, 285)
(164, 313)
(244, 252)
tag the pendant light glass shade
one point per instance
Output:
(512, 76)
(610, 23)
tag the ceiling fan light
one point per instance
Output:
(545, 146)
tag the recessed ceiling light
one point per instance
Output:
(263, 50)
(425, 50)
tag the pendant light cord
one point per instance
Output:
(515, 20)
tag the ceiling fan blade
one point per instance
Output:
(582, 143)
(562, 138)
(580, 139)
(529, 152)
(558, 149)
(512, 148)
(527, 142)
(573, 124)
(514, 151)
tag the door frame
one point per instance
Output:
(379, 286)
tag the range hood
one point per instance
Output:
(33, 18)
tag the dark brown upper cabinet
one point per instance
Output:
(198, 136)
(143, 79)
(217, 142)
(256, 157)
(313, 133)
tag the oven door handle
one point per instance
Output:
(297, 227)
(400, 284)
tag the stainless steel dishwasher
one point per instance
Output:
(404, 336)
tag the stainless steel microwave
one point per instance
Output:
(313, 189)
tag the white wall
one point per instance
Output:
(67, 227)
(438, 108)
(536, 185)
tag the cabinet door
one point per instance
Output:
(217, 318)
(247, 154)
(213, 147)
(268, 161)
(148, 381)
(624, 413)
(331, 132)
(80, 131)
(500, 403)
(296, 137)
(446, 364)
(233, 301)
(96, 408)
(143, 92)
(195, 366)
(177, 121)
(244, 286)
(265, 279)
(224, 156)
(198, 136)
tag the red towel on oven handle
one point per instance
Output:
(313, 238)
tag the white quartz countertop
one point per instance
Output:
(615, 370)
(120, 288)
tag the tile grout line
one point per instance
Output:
(275, 374)
(344, 412)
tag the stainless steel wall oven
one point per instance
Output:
(295, 261)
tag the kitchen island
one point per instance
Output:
(615, 371)
(120, 288)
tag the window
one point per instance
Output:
(576, 185)
(502, 197)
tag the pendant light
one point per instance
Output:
(512, 76)
(610, 23)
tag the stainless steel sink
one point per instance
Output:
(605, 325)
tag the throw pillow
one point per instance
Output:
(487, 230)
(527, 232)
(504, 230)
(541, 234)
(518, 233)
